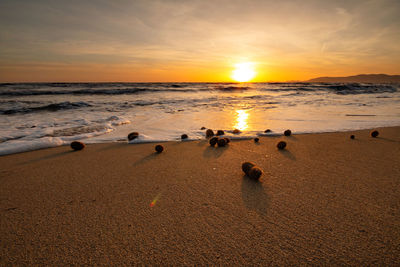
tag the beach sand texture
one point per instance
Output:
(325, 199)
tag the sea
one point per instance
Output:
(42, 115)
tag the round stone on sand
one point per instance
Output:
(255, 173)
(281, 145)
(236, 131)
(267, 131)
(184, 136)
(246, 166)
(220, 132)
(221, 142)
(133, 135)
(203, 128)
(213, 141)
(287, 132)
(75, 145)
(256, 139)
(352, 136)
(159, 148)
(209, 133)
(374, 133)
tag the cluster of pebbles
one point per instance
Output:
(217, 140)
(250, 169)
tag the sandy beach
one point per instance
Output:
(325, 200)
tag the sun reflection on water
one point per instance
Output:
(241, 120)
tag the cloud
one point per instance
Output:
(199, 33)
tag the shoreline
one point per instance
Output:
(326, 199)
(58, 142)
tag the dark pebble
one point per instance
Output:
(159, 148)
(374, 133)
(352, 136)
(267, 131)
(184, 136)
(236, 131)
(287, 132)
(256, 139)
(221, 142)
(281, 145)
(246, 166)
(255, 173)
(75, 145)
(227, 140)
(220, 132)
(203, 128)
(213, 141)
(133, 135)
(209, 133)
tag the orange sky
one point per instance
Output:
(196, 41)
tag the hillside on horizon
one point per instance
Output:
(361, 78)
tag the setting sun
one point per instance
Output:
(243, 72)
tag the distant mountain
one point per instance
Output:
(362, 78)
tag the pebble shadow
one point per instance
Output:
(287, 154)
(147, 158)
(51, 156)
(254, 196)
(214, 152)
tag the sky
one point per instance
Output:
(195, 41)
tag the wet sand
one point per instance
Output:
(326, 199)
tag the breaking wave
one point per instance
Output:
(50, 108)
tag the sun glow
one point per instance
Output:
(243, 72)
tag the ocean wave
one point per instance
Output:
(231, 88)
(37, 89)
(90, 91)
(50, 107)
(356, 88)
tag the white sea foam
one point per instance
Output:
(30, 116)
(17, 146)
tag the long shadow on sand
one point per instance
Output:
(254, 196)
(290, 137)
(113, 146)
(387, 139)
(287, 154)
(147, 158)
(214, 152)
(202, 142)
(51, 156)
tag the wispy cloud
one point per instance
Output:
(314, 37)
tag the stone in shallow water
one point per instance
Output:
(209, 133)
(220, 132)
(287, 132)
(133, 135)
(184, 136)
